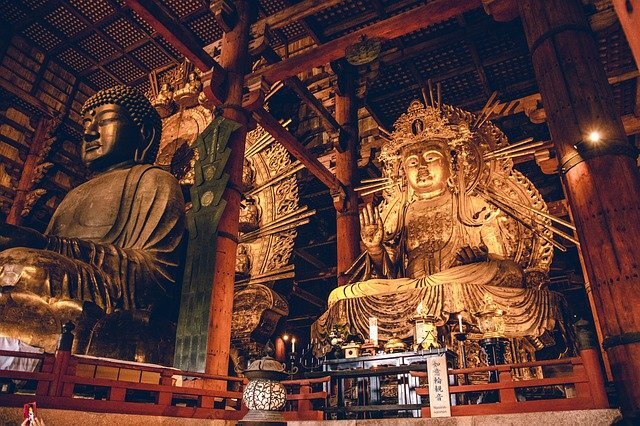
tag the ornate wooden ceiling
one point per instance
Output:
(104, 42)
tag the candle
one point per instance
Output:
(460, 322)
(293, 344)
(373, 330)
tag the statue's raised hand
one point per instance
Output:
(371, 228)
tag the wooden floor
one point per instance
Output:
(13, 416)
(598, 417)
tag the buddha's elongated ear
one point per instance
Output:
(149, 149)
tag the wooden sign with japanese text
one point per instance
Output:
(439, 399)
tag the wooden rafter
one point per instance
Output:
(396, 26)
(303, 92)
(36, 15)
(474, 55)
(263, 117)
(308, 297)
(311, 259)
(296, 12)
(286, 139)
(173, 31)
(631, 122)
(92, 28)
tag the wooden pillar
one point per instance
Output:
(29, 170)
(601, 178)
(347, 222)
(281, 350)
(234, 59)
(629, 15)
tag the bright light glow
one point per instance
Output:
(285, 337)
(594, 136)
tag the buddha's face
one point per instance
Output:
(110, 137)
(427, 171)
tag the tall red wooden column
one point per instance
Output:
(601, 177)
(29, 171)
(234, 59)
(347, 222)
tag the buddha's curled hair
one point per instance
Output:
(140, 110)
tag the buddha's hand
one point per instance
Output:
(468, 255)
(371, 229)
(19, 236)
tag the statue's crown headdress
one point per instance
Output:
(425, 123)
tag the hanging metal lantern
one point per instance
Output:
(264, 395)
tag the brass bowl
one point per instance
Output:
(394, 345)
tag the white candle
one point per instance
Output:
(460, 322)
(373, 330)
(293, 344)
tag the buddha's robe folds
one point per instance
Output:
(113, 241)
(529, 312)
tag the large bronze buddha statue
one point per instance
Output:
(438, 242)
(113, 243)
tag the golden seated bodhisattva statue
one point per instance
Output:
(437, 238)
(113, 243)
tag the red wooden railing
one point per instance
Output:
(300, 404)
(586, 376)
(67, 381)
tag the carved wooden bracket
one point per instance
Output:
(260, 35)
(213, 87)
(30, 200)
(225, 14)
(258, 89)
(548, 164)
(501, 10)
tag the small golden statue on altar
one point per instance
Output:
(456, 222)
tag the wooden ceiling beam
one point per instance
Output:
(418, 86)
(351, 23)
(303, 294)
(326, 274)
(36, 15)
(309, 258)
(214, 76)
(286, 139)
(95, 64)
(518, 105)
(28, 98)
(90, 28)
(474, 55)
(118, 55)
(173, 31)
(396, 26)
(296, 12)
(300, 88)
